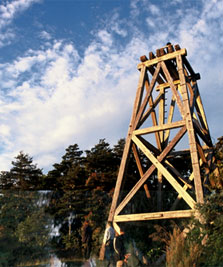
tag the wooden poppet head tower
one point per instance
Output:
(168, 115)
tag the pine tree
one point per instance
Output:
(24, 175)
(67, 204)
(101, 166)
(69, 172)
(100, 159)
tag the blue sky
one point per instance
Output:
(68, 68)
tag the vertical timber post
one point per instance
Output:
(128, 144)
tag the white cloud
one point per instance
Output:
(4, 130)
(62, 98)
(10, 9)
(45, 35)
(154, 9)
(6, 37)
(134, 8)
(105, 37)
(117, 29)
(56, 98)
(150, 22)
(8, 12)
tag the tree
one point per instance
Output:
(24, 227)
(83, 188)
(216, 177)
(101, 166)
(100, 158)
(69, 172)
(67, 182)
(23, 175)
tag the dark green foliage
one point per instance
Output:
(69, 173)
(208, 231)
(202, 246)
(216, 179)
(80, 188)
(100, 158)
(66, 182)
(101, 165)
(24, 227)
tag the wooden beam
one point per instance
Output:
(140, 168)
(191, 134)
(116, 227)
(162, 115)
(192, 95)
(152, 70)
(200, 150)
(162, 58)
(154, 216)
(169, 120)
(166, 85)
(147, 96)
(200, 109)
(187, 151)
(149, 146)
(149, 110)
(200, 131)
(172, 69)
(149, 172)
(165, 172)
(175, 171)
(127, 144)
(159, 191)
(153, 115)
(154, 120)
(161, 138)
(172, 86)
(188, 66)
(158, 128)
(201, 114)
(191, 178)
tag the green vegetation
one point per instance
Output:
(24, 227)
(80, 188)
(32, 204)
(198, 242)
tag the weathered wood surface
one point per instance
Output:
(165, 173)
(166, 85)
(128, 144)
(140, 168)
(162, 58)
(170, 70)
(154, 216)
(149, 172)
(158, 128)
(147, 96)
(191, 133)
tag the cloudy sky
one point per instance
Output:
(68, 68)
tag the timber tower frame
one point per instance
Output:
(168, 114)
